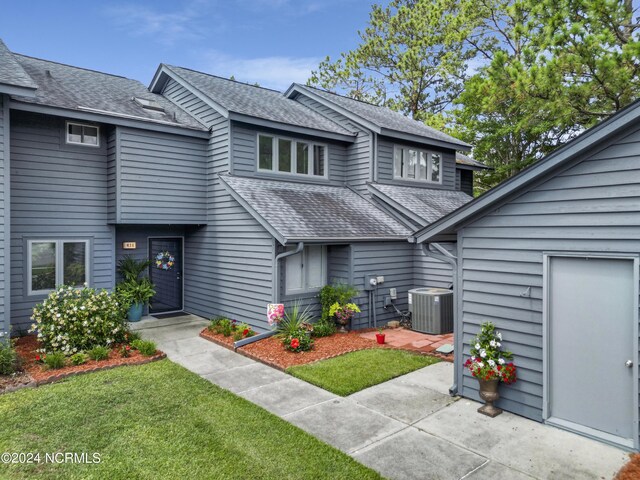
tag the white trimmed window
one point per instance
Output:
(413, 164)
(80, 134)
(288, 156)
(306, 271)
(56, 262)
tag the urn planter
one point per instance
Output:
(489, 393)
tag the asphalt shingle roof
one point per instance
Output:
(299, 211)
(384, 117)
(462, 159)
(257, 101)
(70, 87)
(429, 204)
(11, 73)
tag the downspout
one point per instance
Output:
(275, 295)
(445, 256)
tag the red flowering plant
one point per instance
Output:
(488, 361)
(241, 331)
(295, 328)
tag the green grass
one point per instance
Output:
(159, 421)
(355, 371)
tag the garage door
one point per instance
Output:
(591, 350)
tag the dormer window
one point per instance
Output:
(149, 104)
(288, 156)
(419, 165)
(81, 134)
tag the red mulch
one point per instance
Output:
(631, 471)
(271, 351)
(39, 374)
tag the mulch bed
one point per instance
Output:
(35, 373)
(631, 471)
(271, 352)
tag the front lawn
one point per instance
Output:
(352, 372)
(159, 421)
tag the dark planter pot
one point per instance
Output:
(380, 338)
(489, 393)
(135, 312)
(343, 324)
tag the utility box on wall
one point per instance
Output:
(431, 310)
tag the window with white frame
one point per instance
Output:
(284, 155)
(414, 164)
(80, 134)
(57, 262)
(306, 271)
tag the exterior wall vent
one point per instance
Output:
(431, 310)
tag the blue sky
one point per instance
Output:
(272, 42)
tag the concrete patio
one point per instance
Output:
(406, 428)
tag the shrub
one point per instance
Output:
(243, 331)
(125, 351)
(295, 320)
(9, 359)
(219, 324)
(71, 320)
(55, 360)
(323, 328)
(226, 327)
(79, 358)
(298, 341)
(335, 293)
(99, 353)
(145, 347)
(132, 336)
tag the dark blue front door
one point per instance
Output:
(166, 274)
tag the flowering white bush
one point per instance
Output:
(71, 320)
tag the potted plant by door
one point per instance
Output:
(133, 290)
(490, 365)
(136, 294)
(380, 337)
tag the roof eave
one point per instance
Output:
(193, 89)
(262, 122)
(17, 90)
(394, 238)
(159, 79)
(450, 223)
(465, 166)
(106, 117)
(387, 132)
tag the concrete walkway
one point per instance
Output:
(406, 428)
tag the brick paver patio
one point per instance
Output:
(414, 341)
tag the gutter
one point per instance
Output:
(444, 256)
(275, 295)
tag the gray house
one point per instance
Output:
(240, 195)
(552, 258)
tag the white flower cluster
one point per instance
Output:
(70, 319)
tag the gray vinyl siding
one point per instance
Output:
(112, 176)
(357, 170)
(591, 206)
(57, 191)
(429, 272)
(393, 260)
(244, 156)
(161, 178)
(4, 159)
(385, 165)
(228, 261)
(189, 102)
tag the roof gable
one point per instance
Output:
(544, 167)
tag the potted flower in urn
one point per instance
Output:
(491, 366)
(343, 312)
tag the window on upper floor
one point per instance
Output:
(288, 156)
(80, 134)
(56, 262)
(414, 164)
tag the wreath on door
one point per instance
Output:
(165, 261)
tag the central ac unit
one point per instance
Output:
(431, 310)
